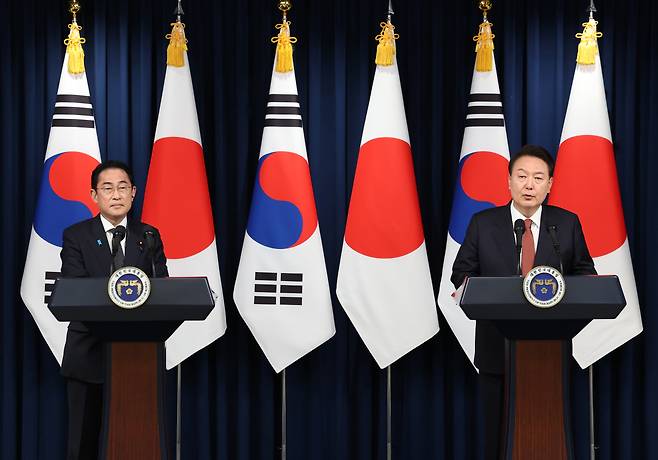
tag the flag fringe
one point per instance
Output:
(74, 49)
(484, 47)
(177, 45)
(386, 46)
(284, 47)
(588, 47)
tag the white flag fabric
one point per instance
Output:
(481, 183)
(586, 150)
(64, 199)
(281, 289)
(177, 202)
(384, 282)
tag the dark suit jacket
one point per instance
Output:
(489, 250)
(83, 256)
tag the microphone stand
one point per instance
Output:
(519, 229)
(552, 231)
(149, 236)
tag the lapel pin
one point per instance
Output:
(99, 242)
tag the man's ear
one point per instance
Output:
(94, 195)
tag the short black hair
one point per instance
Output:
(110, 164)
(533, 151)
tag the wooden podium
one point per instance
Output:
(537, 415)
(133, 418)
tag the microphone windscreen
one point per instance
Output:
(119, 233)
(519, 226)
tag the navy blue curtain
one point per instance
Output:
(336, 394)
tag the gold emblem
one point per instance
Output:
(128, 287)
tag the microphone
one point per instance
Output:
(519, 229)
(149, 236)
(552, 231)
(118, 235)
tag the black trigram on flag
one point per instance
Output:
(49, 285)
(73, 111)
(283, 111)
(485, 109)
(272, 289)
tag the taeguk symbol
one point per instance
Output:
(64, 197)
(283, 211)
(481, 184)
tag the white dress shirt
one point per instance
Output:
(536, 221)
(109, 228)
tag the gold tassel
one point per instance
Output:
(386, 46)
(284, 47)
(74, 49)
(177, 45)
(484, 47)
(588, 46)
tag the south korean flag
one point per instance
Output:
(64, 199)
(282, 290)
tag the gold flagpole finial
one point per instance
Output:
(177, 41)
(74, 7)
(485, 6)
(484, 40)
(283, 40)
(386, 38)
(285, 6)
(74, 42)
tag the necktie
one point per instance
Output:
(527, 249)
(118, 234)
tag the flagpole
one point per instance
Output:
(389, 431)
(592, 440)
(283, 414)
(389, 424)
(179, 370)
(178, 412)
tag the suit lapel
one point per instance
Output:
(134, 245)
(545, 250)
(102, 250)
(504, 236)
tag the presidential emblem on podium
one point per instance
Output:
(544, 286)
(128, 287)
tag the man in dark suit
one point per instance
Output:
(489, 249)
(86, 252)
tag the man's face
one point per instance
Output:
(529, 184)
(114, 194)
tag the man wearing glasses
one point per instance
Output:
(88, 252)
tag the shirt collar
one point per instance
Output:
(536, 217)
(107, 225)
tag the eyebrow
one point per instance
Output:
(534, 173)
(112, 183)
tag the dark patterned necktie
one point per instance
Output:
(118, 234)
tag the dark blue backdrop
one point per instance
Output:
(337, 393)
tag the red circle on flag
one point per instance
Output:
(384, 218)
(69, 178)
(176, 200)
(484, 178)
(585, 182)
